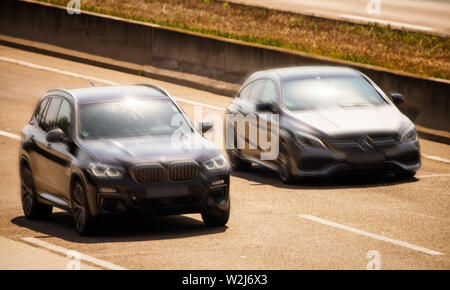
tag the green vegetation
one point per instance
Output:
(411, 52)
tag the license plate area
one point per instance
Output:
(167, 191)
(366, 158)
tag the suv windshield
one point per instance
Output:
(325, 92)
(130, 119)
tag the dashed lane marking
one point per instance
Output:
(371, 235)
(64, 251)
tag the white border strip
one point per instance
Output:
(65, 251)
(371, 235)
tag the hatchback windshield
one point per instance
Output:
(307, 94)
(130, 118)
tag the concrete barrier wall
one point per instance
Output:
(216, 58)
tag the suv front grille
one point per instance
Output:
(179, 171)
(363, 143)
(148, 173)
(182, 171)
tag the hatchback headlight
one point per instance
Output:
(218, 162)
(308, 140)
(409, 136)
(105, 171)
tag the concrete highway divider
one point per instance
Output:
(199, 61)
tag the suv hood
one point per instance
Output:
(135, 150)
(354, 120)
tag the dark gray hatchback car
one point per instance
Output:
(331, 120)
(107, 150)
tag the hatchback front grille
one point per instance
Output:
(363, 143)
(179, 171)
(182, 171)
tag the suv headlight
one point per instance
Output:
(308, 140)
(218, 162)
(105, 171)
(409, 136)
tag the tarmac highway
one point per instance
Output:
(423, 15)
(316, 224)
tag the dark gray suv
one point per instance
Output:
(107, 150)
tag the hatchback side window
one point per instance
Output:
(269, 93)
(256, 92)
(39, 111)
(49, 122)
(63, 119)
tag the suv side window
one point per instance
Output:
(269, 93)
(40, 110)
(245, 92)
(63, 119)
(49, 121)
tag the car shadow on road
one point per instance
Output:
(260, 175)
(123, 228)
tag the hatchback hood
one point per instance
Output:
(353, 120)
(129, 151)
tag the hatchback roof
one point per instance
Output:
(105, 94)
(299, 72)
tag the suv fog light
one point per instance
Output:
(107, 190)
(218, 182)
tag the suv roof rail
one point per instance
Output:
(58, 91)
(61, 91)
(155, 87)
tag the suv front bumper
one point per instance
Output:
(207, 190)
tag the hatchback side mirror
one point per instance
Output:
(397, 98)
(56, 135)
(205, 126)
(266, 107)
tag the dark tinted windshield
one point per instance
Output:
(306, 94)
(130, 119)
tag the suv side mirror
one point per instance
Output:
(266, 107)
(205, 126)
(56, 135)
(397, 98)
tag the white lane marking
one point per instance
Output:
(55, 70)
(90, 78)
(371, 235)
(10, 135)
(432, 175)
(64, 251)
(199, 104)
(386, 22)
(436, 158)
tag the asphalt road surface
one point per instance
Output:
(424, 15)
(316, 224)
